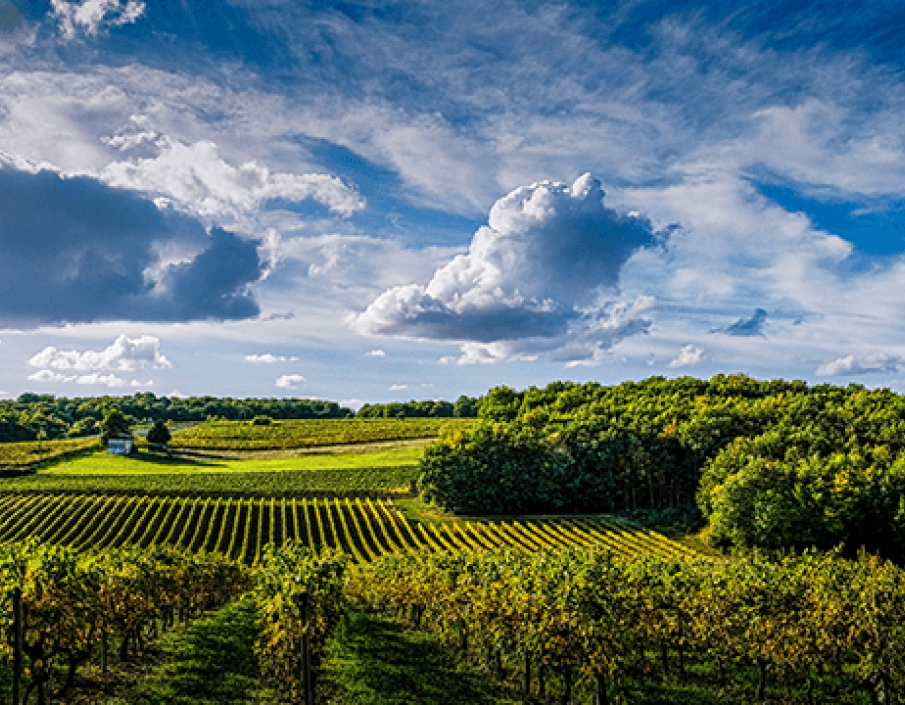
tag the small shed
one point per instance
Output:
(120, 446)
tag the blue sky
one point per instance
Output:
(369, 201)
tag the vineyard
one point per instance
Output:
(237, 435)
(589, 607)
(364, 528)
(378, 481)
(26, 453)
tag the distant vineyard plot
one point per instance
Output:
(238, 435)
(378, 473)
(378, 481)
(365, 528)
(24, 454)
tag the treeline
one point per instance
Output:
(44, 416)
(771, 464)
(464, 407)
(553, 622)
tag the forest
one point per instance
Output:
(774, 465)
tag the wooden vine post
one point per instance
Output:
(18, 639)
(307, 676)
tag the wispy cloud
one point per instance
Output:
(875, 363)
(89, 16)
(93, 379)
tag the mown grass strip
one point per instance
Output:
(211, 663)
(374, 660)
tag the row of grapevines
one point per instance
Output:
(301, 596)
(591, 617)
(237, 435)
(240, 528)
(384, 481)
(26, 453)
(58, 607)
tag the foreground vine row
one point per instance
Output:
(829, 628)
(364, 528)
(61, 609)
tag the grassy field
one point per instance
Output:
(387, 472)
(144, 463)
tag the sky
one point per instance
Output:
(376, 201)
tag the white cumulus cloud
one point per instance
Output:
(269, 359)
(398, 387)
(195, 178)
(542, 276)
(124, 354)
(376, 353)
(689, 356)
(851, 365)
(290, 381)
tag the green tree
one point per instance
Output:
(114, 425)
(159, 435)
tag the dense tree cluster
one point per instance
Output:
(44, 416)
(771, 464)
(464, 408)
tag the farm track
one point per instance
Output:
(241, 527)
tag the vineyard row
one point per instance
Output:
(231, 435)
(26, 453)
(364, 528)
(385, 481)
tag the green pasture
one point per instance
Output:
(145, 463)
(381, 472)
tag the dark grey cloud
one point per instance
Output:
(73, 250)
(747, 326)
(409, 311)
(215, 283)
